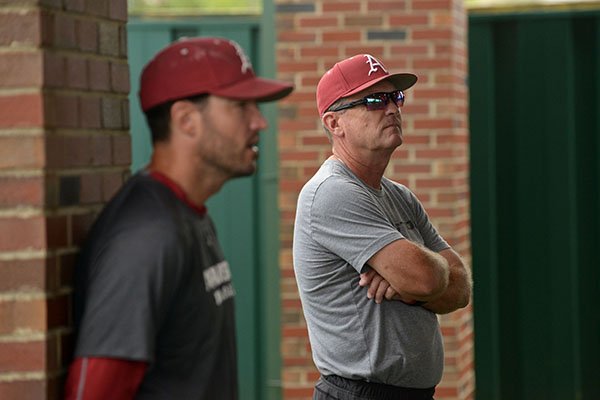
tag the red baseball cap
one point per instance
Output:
(194, 66)
(354, 74)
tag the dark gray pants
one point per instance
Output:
(333, 387)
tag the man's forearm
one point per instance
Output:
(440, 272)
(412, 270)
(456, 294)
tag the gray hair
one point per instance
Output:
(336, 104)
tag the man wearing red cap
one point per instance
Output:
(371, 269)
(153, 297)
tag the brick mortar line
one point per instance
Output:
(23, 296)
(22, 173)
(6, 92)
(79, 170)
(20, 49)
(22, 212)
(51, 90)
(22, 376)
(25, 9)
(85, 54)
(11, 338)
(21, 132)
(73, 211)
(82, 132)
(20, 9)
(23, 255)
(54, 252)
(50, 212)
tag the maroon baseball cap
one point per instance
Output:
(212, 65)
(354, 74)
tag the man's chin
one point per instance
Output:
(398, 140)
(244, 172)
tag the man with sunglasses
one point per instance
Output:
(154, 301)
(371, 269)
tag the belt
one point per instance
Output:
(379, 391)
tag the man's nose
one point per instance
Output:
(391, 107)
(258, 121)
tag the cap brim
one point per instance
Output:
(257, 89)
(401, 81)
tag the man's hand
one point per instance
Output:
(379, 288)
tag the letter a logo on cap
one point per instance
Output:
(373, 63)
(246, 64)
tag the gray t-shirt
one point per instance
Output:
(340, 224)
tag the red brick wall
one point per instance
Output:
(427, 37)
(64, 150)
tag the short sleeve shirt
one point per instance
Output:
(340, 224)
(152, 285)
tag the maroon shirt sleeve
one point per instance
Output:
(93, 378)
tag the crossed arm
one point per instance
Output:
(411, 273)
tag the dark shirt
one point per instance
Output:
(152, 285)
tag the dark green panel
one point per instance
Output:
(507, 168)
(530, 233)
(536, 218)
(586, 41)
(565, 362)
(545, 185)
(484, 223)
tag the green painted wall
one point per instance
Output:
(535, 181)
(245, 210)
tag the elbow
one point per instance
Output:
(466, 299)
(461, 298)
(464, 290)
(440, 282)
(461, 303)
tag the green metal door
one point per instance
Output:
(245, 210)
(535, 181)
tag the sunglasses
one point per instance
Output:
(375, 101)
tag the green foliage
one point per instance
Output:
(194, 7)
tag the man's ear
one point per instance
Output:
(331, 122)
(184, 117)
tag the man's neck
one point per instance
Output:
(198, 185)
(369, 171)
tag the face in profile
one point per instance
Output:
(230, 135)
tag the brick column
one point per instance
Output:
(64, 150)
(427, 37)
